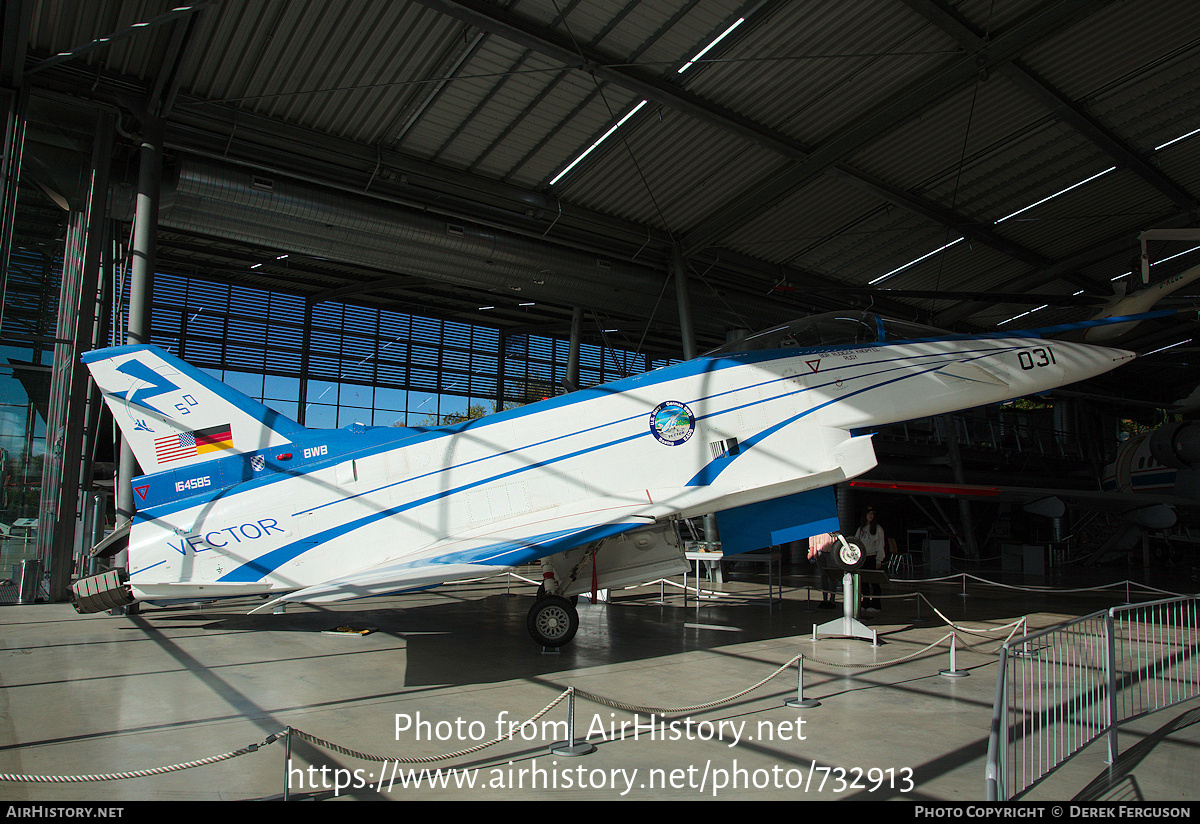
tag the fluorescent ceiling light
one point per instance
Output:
(1023, 314)
(704, 50)
(1176, 140)
(1171, 346)
(1049, 197)
(601, 139)
(1177, 254)
(1056, 194)
(638, 107)
(1156, 262)
(914, 262)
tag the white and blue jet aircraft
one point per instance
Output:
(237, 500)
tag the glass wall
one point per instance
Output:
(26, 357)
(327, 366)
(363, 365)
(52, 183)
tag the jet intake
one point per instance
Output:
(1177, 445)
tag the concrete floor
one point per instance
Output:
(453, 667)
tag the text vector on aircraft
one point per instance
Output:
(238, 500)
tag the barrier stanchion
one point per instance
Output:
(287, 761)
(800, 701)
(572, 746)
(954, 671)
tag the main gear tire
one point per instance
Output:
(552, 621)
(541, 593)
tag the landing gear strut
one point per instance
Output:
(552, 621)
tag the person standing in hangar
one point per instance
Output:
(874, 543)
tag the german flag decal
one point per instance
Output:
(213, 439)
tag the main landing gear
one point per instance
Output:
(552, 620)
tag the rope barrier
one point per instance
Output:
(959, 576)
(985, 632)
(187, 765)
(312, 739)
(680, 710)
(427, 759)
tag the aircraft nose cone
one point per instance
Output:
(1117, 355)
(1091, 360)
(1113, 354)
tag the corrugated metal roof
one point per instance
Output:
(830, 139)
(813, 70)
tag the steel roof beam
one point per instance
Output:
(959, 74)
(15, 19)
(512, 27)
(970, 230)
(1067, 110)
(559, 47)
(1093, 255)
(128, 31)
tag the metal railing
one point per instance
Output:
(1063, 688)
(993, 433)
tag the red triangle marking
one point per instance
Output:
(813, 364)
(141, 491)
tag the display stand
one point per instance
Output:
(848, 626)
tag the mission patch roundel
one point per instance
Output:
(672, 423)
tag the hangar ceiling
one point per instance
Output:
(955, 162)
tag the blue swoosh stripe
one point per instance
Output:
(714, 468)
(412, 437)
(267, 563)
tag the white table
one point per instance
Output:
(772, 559)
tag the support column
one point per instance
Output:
(141, 282)
(10, 168)
(687, 333)
(502, 343)
(964, 508)
(572, 382)
(68, 466)
(686, 330)
(305, 340)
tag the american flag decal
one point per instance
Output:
(177, 447)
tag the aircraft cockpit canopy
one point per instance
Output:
(854, 328)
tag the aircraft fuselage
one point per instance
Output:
(701, 436)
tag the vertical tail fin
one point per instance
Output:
(174, 415)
